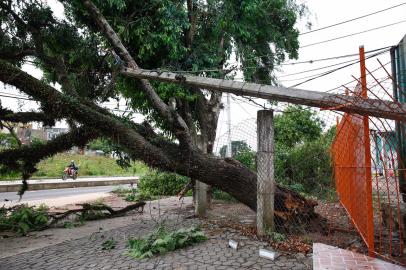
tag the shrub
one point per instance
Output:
(7, 141)
(305, 168)
(109, 244)
(248, 158)
(131, 194)
(218, 194)
(101, 144)
(296, 125)
(275, 236)
(23, 218)
(123, 191)
(156, 183)
(162, 241)
(236, 148)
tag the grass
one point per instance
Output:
(88, 166)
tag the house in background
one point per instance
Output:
(52, 133)
(385, 151)
(27, 134)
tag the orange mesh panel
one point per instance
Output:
(352, 174)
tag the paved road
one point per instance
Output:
(54, 193)
(80, 179)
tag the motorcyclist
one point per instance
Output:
(73, 166)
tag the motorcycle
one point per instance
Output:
(69, 173)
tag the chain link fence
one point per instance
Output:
(347, 172)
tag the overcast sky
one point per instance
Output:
(323, 13)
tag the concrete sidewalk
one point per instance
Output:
(12, 186)
(81, 247)
(329, 257)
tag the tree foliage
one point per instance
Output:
(162, 241)
(7, 141)
(236, 148)
(156, 183)
(23, 218)
(161, 35)
(297, 125)
(302, 152)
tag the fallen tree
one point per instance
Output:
(85, 85)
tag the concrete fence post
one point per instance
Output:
(201, 203)
(265, 172)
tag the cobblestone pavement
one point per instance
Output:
(87, 253)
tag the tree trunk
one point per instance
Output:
(234, 178)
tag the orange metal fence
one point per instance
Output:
(352, 174)
(367, 172)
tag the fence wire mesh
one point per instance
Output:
(350, 169)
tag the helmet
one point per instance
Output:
(72, 161)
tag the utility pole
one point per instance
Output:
(229, 152)
(338, 102)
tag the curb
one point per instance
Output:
(68, 184)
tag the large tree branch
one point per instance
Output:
(179, 127)
(92, 116)
(154, 151)
(26, 117)
(17, 56)
(25, 157)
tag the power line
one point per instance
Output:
(242, 107)
(321, 59)
(315, 69)
(353, 34)
(317, 74)
(353, 80)
(7, 93)
(329, 71)
(353, 19)
(334, 70)
(310, 61)
(324, 67)
(250, 102)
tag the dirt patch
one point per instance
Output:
(338, 229)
